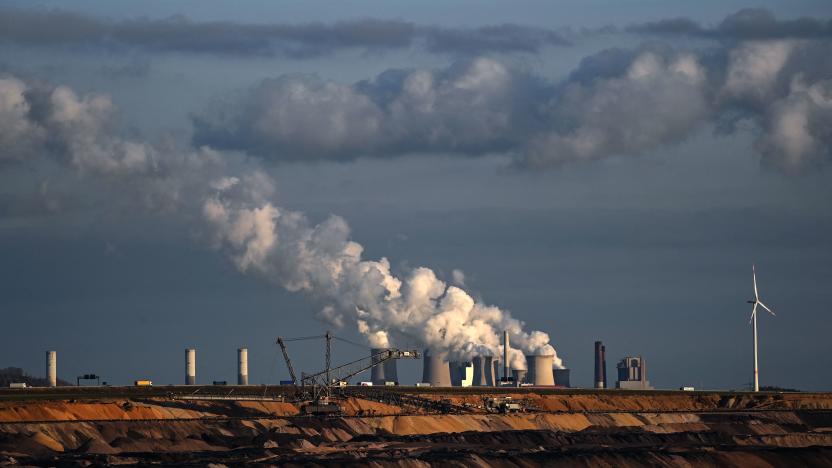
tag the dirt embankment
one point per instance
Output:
(782, 431)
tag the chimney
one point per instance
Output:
(242, 366)
(190, 366)
(600, 366)
(52, 368)
(506, 373)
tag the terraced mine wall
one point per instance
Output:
(569, 429)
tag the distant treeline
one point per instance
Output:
(16, 374)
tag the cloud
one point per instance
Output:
(746, 24)
(179, 34)
(471, 107)
(615, 103)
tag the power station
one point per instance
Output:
(437, 369)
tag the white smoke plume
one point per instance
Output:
(233, 203)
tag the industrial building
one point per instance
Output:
(600, 365)
(632, 374)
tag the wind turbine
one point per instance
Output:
(756, 301)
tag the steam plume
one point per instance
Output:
(233, 201)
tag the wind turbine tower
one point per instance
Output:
(756, 301)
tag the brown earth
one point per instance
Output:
(582, 429)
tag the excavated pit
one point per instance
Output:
(557, 429)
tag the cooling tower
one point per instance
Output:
(462, 373)
(562, 377)
(385, 372)
(483, 371)
(242, 366)
(519, 376)
(52, 368)
(496, 372)
(190, 366)
(540, 370)
(437, 370)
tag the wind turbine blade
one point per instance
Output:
(753, 313)
(754, 276)
(766, 308)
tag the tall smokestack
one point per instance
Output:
(506, 345)
(242, 366)
(600, 366)
(436, 370)
(190, 366)
(540, 370)
(386, 371)
(52, 368)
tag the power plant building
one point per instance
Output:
(632, 374)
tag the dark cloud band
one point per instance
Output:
(179, 34)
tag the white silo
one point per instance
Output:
(52, 368)
(540, 370)
(242, 366)
(190, 366)
(436, 370)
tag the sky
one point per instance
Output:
(213, 175)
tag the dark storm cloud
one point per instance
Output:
(747, 24)
(179, 34)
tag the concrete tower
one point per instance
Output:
(386, 372)
(190, 366)
(519, 376)
(562, 377)
(437, 370)
(484, 370)
(540, 370)
(52, 368)
(242, 366)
